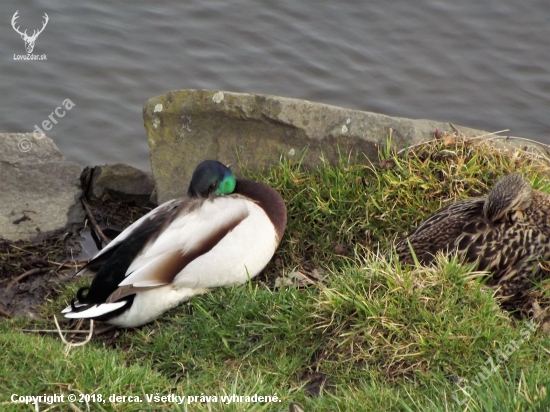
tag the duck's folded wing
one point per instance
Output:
(191, 234)
(154, 218)
(439, 230)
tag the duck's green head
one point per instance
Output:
(211, 178)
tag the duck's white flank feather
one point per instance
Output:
(150, 304)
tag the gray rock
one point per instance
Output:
(39, 189)
(252, 131)
(121, 181)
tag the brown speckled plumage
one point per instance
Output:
(507, 233)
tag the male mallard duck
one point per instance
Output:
(224, 232)
(507, 233)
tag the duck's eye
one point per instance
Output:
(213, 186)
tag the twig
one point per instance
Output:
(530, 152)
(70, 263)
(97, 332)
(454, 128)
(456, 131)
(6, 314)
(74, 407)
(524, 139)
(71, 344)
(26, 274)
(18, 248)
(96, 227)
(542, 149)
(53, 331)
(537, 312)
(493, 134)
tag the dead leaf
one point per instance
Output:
(318, 274)
(448, 140)
(340, 249)
(293, 278)
(386, 164)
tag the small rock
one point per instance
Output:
(121, 181)
(40, 189)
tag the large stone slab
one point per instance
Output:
(39, 188)
(187, 126)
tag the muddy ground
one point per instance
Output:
(31, 272)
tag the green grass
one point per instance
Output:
(372, 336)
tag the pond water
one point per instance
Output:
(483, 64)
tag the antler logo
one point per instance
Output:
(29, 40)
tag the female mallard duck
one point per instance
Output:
(507, 233)
(224, 232)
